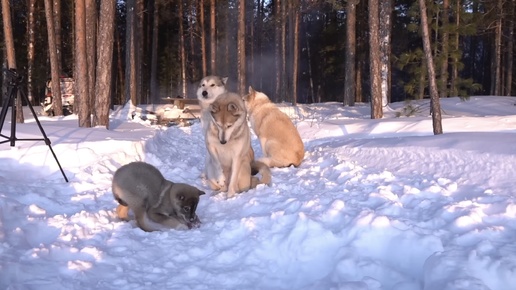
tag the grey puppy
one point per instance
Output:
(157, 203)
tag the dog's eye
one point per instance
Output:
(186, 208)
(212, 85)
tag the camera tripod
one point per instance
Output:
(13, 81)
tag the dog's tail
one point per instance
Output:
(265, 172)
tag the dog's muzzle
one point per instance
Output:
(205, 94)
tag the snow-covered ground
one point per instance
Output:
(376, 204)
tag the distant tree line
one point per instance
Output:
(297, 51)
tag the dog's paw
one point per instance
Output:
(216, 187)
(231, 193)
(221, 182)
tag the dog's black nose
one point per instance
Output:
(204, 93)
(222, 141)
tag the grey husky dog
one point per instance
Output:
(157, 203)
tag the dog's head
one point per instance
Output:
(227, 114)
(211, 87)
(254, 97)
(181, 202)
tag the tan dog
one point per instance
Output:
(280, 141)
(158, 204)
(228, 141)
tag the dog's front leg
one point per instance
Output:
(214, 172)
(160, 221)
(233, 187)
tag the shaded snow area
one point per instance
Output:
(376, 204)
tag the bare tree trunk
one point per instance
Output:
(443, 83)
(130, 54)
(359, 96)
(497, 61)
(386, 7)
(241, 71)
(277, 47)
(456, 46)
(310, 74)
(182, 52)
(203, 38)
(374, 55)
(434, 95)
(227, 40)
(510, 48)
(104, 84)
(121, 73)
(295, 51)
(259, 41)
(351, 43)
(283, 74)
(141, 96)
(190, 58)
(154, 92)
(422, 82)
(54, 66)
(30, 50)
(57, 29)
(81, 80)
(91, 46)
(249, 10)
(11, 57)
(213, 37)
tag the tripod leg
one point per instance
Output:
(3, 113)
(47, 141)
(8, 101)
(13, 117)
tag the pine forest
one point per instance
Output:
(296, 51)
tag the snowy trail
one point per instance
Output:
(361, 212)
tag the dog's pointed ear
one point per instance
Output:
(201, 192)
(214, 108)
(225, 80)
(232, 107)
(251, 90)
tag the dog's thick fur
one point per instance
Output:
(210, 87)
(228, 140)
(157, 203)
(280, 141)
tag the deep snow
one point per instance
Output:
(376, 204)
